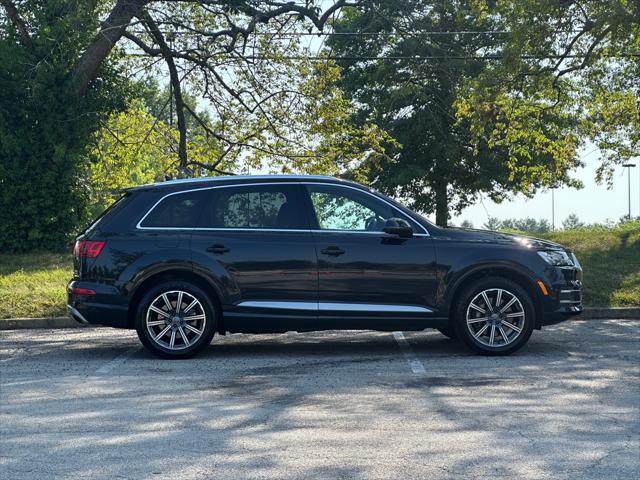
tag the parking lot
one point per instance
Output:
(91, 403)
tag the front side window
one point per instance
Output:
(255, 207)
(180, 210)
(339, 208)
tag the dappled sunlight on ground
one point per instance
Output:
(322, 405)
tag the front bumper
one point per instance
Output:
(564, 299)
(107, 307)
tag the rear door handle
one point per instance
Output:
(333, 251)
(217, 248)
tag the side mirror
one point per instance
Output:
(399, 227)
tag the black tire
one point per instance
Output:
(205, 307)
(524, 323)
(449, 333)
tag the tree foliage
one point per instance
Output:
(572, 222)
(44, 129)
(419, 87)
(579, 59)
(67, 65)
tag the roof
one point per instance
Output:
(232, 179)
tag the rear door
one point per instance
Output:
(255, 239)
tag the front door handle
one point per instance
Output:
(217, 248)
(333, 251)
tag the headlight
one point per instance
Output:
(556, 257)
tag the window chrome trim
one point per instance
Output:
(334, 306)
(405, 216)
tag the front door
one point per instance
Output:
(364, 273)
(256, 240)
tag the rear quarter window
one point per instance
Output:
(177, 210)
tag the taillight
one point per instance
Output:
(81, 291)
(87, 249)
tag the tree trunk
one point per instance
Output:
(176, 89)
(442, 204)
(86, 70)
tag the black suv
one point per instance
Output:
(181, 260)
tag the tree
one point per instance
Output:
(132, 148)
(64, 73)
(405, 68)
(579, 59)
(493, 224)
(526, 225)
(466, 224)
(572, 222)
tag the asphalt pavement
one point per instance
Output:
(93, 404)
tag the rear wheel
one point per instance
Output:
(175, 320)
(494, 316)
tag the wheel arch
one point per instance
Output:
(510, 272)
(181, 274)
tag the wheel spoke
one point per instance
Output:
(513, 300)
(194, 317)
(476, 307)
(512, 327)
(479, 319)
(486, 301)
(173, 339)
(504, 335)
(193, 329)
(498, 298)
(179, 302)
(493, 334)
(514, 315)
(161, 334)
(190, 306)
(155, 323)
(167, 302)
(481, 331)
(159, 311)
(184, 336)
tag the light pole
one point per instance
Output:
(629, 166)
(553, 209)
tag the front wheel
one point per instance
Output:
(175, 320)
(494, 316)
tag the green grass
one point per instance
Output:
(610, 261)
(33, 285)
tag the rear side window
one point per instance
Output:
(255, 206)
(179, 210)
(110, 210)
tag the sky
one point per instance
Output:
(592, 204)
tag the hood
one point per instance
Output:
(487, 236)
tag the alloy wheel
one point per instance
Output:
(495, 317)
(175, 320)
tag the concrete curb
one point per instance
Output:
(602, 313)
(592, 313)
(33, 323)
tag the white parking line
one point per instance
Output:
(416, 365)
(116, 362)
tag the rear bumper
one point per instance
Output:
(106, 307)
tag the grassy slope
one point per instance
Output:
(611, 262)
(33, 285)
